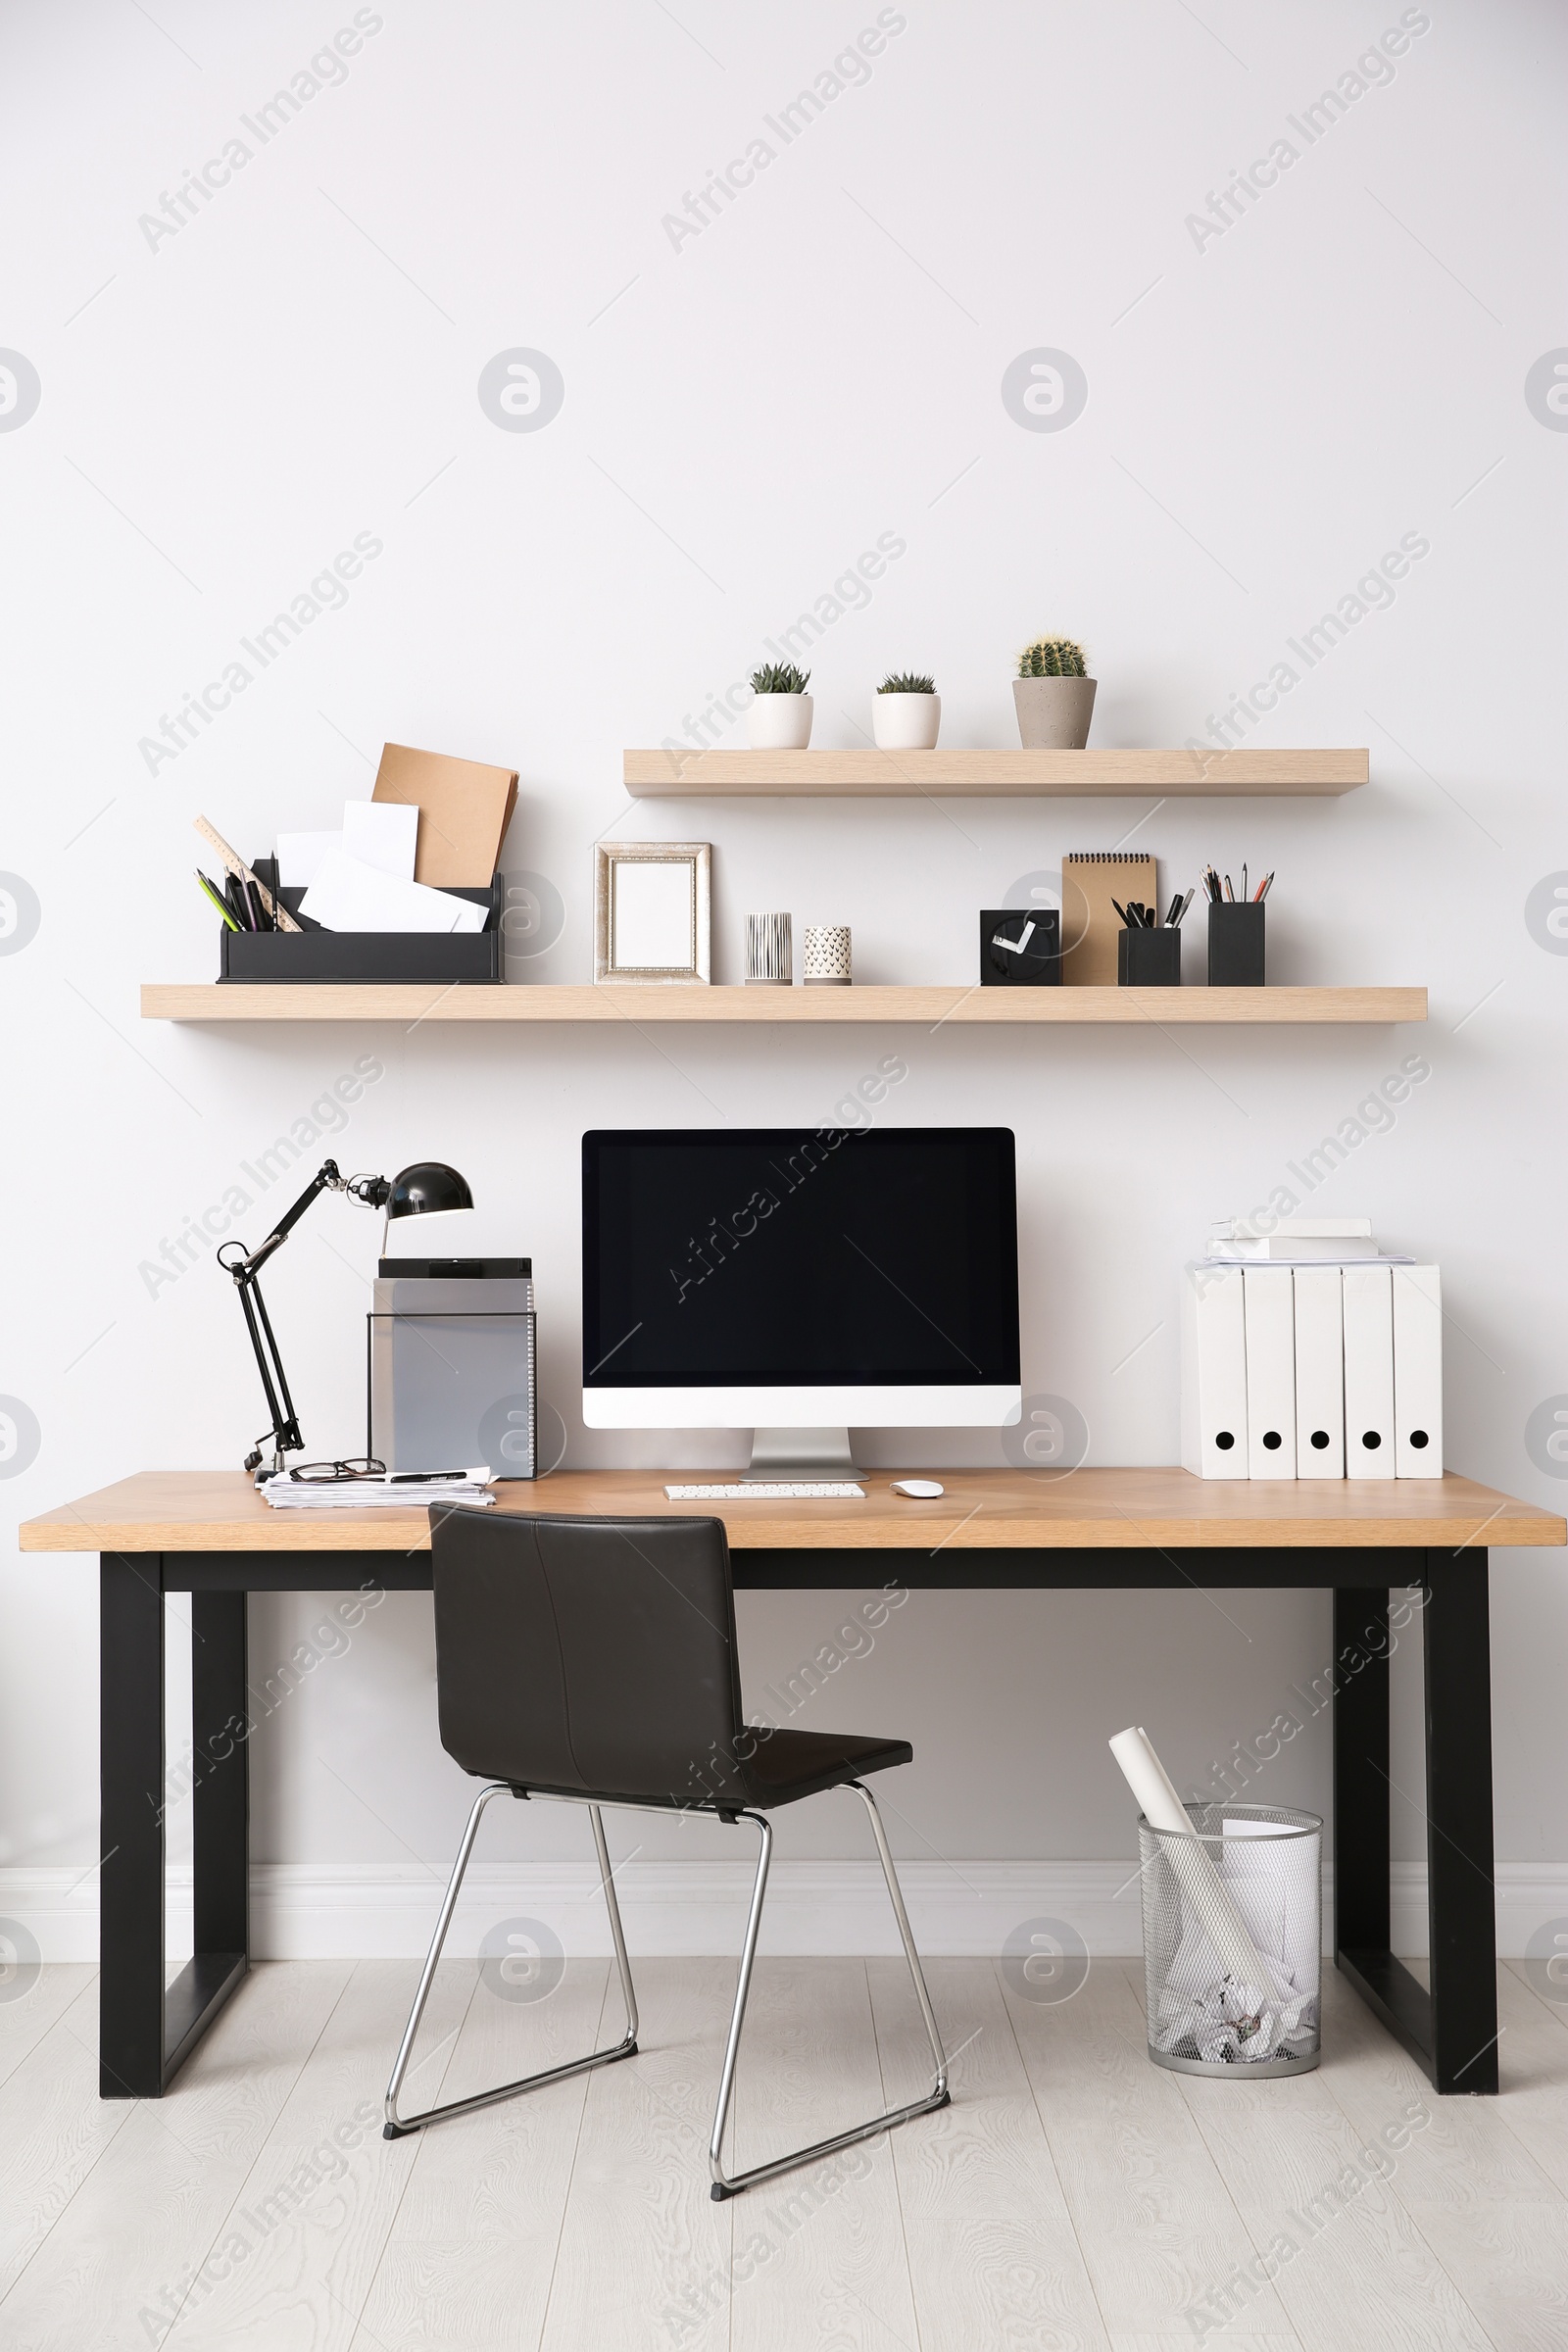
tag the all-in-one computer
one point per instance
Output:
(799, 1282)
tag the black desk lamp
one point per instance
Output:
(429, 1185)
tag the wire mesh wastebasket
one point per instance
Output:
(1233, 1941)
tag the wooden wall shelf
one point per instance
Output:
(1007, 1008)
(980, 774)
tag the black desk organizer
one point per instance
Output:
(1236, 943)
(1150, 957)
(274, 957)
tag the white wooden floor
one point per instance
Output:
(1073, 2196)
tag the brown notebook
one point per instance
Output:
(1090, 923)
(465, 809)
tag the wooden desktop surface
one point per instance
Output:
(219, 1510)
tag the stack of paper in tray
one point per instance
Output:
(388, 1492)
(433, 827)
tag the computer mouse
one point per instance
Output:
(918, 1490)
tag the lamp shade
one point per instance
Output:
(426, 1187)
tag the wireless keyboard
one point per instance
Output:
(760, 1491)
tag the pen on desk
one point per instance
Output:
(238, 907)
(1181, 911)
(260, 919)
(1229, 892)
(211, 891)
(1122, 912)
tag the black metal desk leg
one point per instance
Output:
(1362, 1924)
(1461, 1896)
(131, 1878)
(220, 1765)
(145, 2034)
(1361, 1771)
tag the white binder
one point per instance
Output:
(1319, 1373)
(1270, 1321)
(1417, 1372)
(1213, 1372)
(1368, 1371)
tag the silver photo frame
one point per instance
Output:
(653, 911)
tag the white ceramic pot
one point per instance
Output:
(779, 723)
(905, 722)
(1053, 714)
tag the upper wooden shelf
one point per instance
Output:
(998, 775)
(1011, 1008)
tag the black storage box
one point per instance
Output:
(274, 957)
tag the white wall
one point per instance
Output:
(1271, 410)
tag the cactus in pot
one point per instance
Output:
(1054, 696)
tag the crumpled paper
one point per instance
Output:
(1202, 2013)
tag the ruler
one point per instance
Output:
(236, 864)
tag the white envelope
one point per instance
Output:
(349, 895)
(300, 855)
(383, 834)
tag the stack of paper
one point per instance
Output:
(392, 1491)
(361, 878)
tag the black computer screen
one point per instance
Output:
(764, 1256)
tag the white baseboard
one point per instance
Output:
(312, 1911)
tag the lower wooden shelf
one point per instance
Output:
(1005, 1007)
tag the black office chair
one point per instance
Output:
(593, 1660)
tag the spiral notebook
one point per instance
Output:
(1090, 923)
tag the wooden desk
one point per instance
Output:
(206, 1533)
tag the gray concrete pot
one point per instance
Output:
(1053, 714)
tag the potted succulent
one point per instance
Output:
(906, 712)
(1054, 698)
(779, 716)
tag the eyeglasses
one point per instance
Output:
(322, 1474)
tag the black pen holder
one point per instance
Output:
(1236, 944)
(1019, 949)
(1148, 958)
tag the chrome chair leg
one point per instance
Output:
(396, 2126)
(731, 2184)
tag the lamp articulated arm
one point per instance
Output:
(245, 1269)
(427, 1186)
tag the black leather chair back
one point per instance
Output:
(592, 1657)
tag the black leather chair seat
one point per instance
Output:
(786, 1765)
(783, 1767)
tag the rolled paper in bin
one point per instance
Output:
(1212, 1906)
